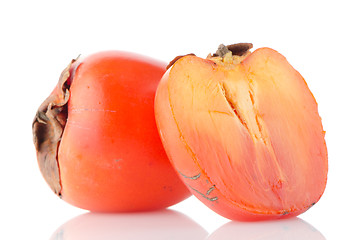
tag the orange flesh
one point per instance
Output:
(250, 129)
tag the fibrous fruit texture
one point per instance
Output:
(243, 131)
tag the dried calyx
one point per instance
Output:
(238, 49)
(48, 127)
(177, 58)
(234, 53)
(231, 54)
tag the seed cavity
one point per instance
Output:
(210, 190)
(212, 199)
(285, 212)
(232, 105)
(192, 177)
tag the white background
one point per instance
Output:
(321, 39)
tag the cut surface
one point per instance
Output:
(252, 128)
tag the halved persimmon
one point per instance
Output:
(243, 131)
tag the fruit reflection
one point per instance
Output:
(165, 224)
(293, 228)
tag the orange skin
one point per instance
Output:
(244, 134)
(110, 157)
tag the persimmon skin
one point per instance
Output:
(110, 156)
(244, 135)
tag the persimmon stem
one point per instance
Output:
(238, 49)
(222, 50)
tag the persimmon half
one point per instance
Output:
(242, 129)
(96, 137)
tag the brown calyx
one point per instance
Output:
(238, 49)
(177, 58)
(231, 55)
(48, 127)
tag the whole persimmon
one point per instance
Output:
(96, 138)
(243, 131)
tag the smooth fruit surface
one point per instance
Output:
(109, 156)
(244, 134)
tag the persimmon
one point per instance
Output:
(242, 130)
(96, 138)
